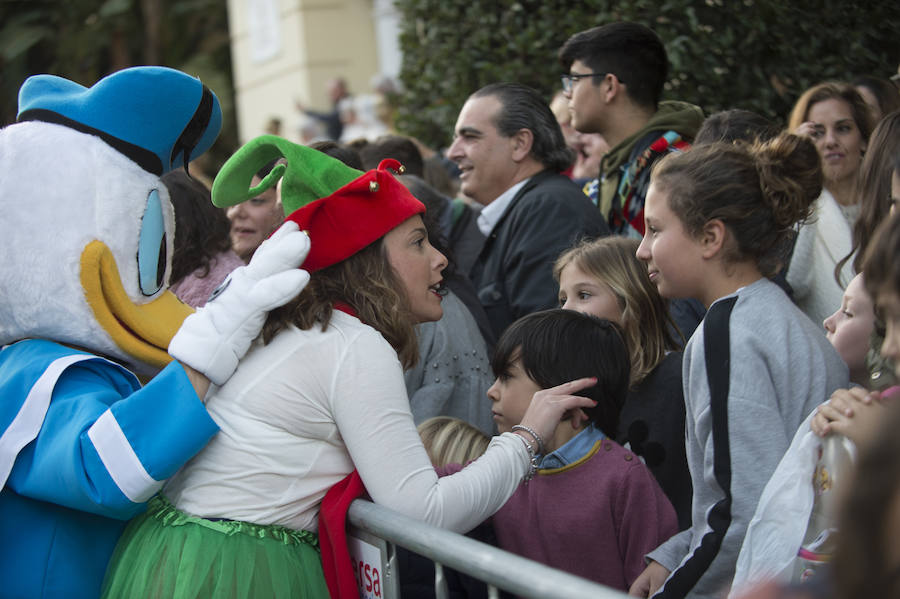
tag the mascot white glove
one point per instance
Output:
(214, 338)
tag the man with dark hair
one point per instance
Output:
(510, 152)
(624, 66)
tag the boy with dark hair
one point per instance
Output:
(593, 509)
(626, 67)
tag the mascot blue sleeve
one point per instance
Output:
(103, 448)
(87, 248)
(105, 444)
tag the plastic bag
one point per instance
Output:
(820, 540)
(792, 531)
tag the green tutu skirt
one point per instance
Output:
(167, 554)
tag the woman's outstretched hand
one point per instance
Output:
(551, 406)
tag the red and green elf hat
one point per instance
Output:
(342, 209)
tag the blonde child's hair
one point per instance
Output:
(646, 322)
(451, 440)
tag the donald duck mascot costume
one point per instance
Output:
(85, 253)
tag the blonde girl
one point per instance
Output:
(604, 278)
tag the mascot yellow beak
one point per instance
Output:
(143, 331)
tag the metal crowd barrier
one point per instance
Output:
(374, 532)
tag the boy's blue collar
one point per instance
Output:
(572, 450)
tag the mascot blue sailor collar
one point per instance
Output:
(87, 232)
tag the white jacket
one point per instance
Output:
(820, 245)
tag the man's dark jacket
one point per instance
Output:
(513, 271)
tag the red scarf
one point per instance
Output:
(336, 563)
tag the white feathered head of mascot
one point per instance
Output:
(87, 228)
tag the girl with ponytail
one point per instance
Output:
(717, 220)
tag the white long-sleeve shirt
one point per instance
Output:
(301, 412)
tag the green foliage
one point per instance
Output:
(753, 54)
(83, 40)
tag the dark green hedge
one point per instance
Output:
(753, 54)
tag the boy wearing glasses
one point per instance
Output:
(614, 77)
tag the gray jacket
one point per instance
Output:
(453, 373)
(781, 367)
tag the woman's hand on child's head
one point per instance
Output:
(551, 406)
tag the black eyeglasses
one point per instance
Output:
(568, 81)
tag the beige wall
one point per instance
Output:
(289, 49)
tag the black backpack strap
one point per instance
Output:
(716, 339)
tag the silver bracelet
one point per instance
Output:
(537, 437)
(532, 459)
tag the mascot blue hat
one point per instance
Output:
(139, 111)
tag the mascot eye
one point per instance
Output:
(152, 247)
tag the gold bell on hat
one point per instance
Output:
(373, 186)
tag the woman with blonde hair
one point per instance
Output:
(604, 278)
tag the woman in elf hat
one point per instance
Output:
(319, 397)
